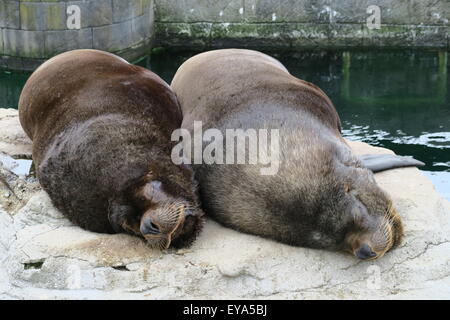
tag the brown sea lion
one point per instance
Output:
(101, 132)
(322, 195)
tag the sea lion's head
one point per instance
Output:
(169, 210)
(375, 226)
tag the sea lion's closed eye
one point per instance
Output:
(153, 191)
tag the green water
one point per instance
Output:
(394, 99)
(11, 84)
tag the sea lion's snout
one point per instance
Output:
(166, 219)
(365, 252)
(375, 227)
(149, 227)
(368, 245)
(159, 225)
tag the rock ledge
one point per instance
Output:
(43, 256)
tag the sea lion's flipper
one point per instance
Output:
(381, 162)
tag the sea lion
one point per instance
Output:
(101, 132)
(322, 195)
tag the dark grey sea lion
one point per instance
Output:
(322, 195)
(101, 132)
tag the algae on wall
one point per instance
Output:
(301, 24)
(32, 31)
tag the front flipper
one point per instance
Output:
(381, 162)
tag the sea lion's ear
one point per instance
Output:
(122, 218)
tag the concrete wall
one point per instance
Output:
(34, 30)
(301, 23)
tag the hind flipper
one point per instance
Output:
(381, 162)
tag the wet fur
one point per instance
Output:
(99, 125)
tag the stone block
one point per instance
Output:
(151, 9)
(3, 63)
(267, 35)
(430, 12)
(9, 14)
(100, 13)
(137, 52)
(64, 40)
(430, 36)
(23, 43)
(113, 37)
(11, 63)
(31, 64)
(388, 36)
(288, 11)
(186, 35)
(1, 41)
(345, 35)
(42, 16)
(55, 15)
(309, 35)
(32, 16)
(142, 27)
(126, 10)
(200, 10)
